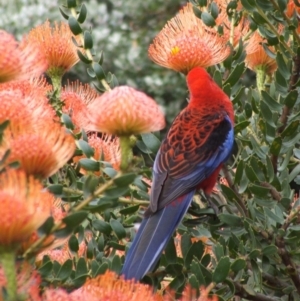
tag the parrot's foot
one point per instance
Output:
(212, 204)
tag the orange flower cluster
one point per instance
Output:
(185, 42)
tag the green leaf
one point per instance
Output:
(85, 147)
(271, 102)
(87, 61)
(251, 175)
(110, 172)
(258, 190)
(82, 13)
(236, 74)
(239, 172)
(125, 180)
(291, 99)
(208, 19)
(151, 142)
(258, 19)
(98, 71)
(193, 282)
(295, 172)
(170, 252)
(103, 268)
(116, 246)
(265, 5)
(102, 226)
(222, 270)
(81, 268)
(89, 164)
(238, 264)
(71, 4)
(116, 264)
(185, 244)
(75, 219)
(130, 210)
(196, 270)
(218, 251)
(46, 267)
(65, 16)
(74, 25)
(241, 126)
(65, 118)
(47, 226)
(56, 189)
(218, 78)
(115, 192)
(65, 270)
(118, 229)
(230, 219)
(280, 79)
(197, 250)
(270, 169)
(291, 129)
(267, 114)
(282, 66)
(177, 283)
(276, 146)
(282, 5)
(270, 250)
(248, 4)
(73, 243)
(197, 12)
(90, 184)
(214, 10)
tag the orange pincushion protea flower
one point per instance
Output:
(110, 287)
(57, 45)
(257, 57)
(124, 111)
(19, 61)
(24, 206)
(40, 154)
(76, 97)
(185, 42)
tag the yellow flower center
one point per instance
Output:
(175, 50)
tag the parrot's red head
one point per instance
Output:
(205, 93)
(199, 82)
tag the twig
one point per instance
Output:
(275, 194)
(242, 292)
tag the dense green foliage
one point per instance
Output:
(254, 241)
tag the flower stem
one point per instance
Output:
(7, 259)
(126, 152)
(260, 78)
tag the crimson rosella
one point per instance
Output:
(199, 141)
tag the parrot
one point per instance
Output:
(190, 157)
